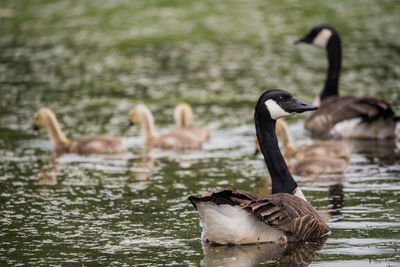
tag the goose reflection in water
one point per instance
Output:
(47, 172)
(336, 201)
(295, 254)
(381, 152)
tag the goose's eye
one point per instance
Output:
(280, 98)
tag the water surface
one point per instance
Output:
(91, 63)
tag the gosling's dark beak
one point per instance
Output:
(298, 106)
(35, 127)
(131, 123)
(256, 152)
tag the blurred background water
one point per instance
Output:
(92, 61)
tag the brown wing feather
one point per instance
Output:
(339, 108)
(290, 214)
(285, 212)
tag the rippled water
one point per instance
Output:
(91, 63)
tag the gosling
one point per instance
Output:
(171, 141)
(45, 118)
(182, 116)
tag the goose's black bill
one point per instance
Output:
(35, 127)
(298, 106)
(131, 123)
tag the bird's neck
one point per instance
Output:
(334, 55)
(182, 118)
(282, 180)
(282, 131)
(58, 139)
(148, 128)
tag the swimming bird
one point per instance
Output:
(322, 157)
(239, 217)
(345, 116)
(182, 116)
(100, 144)
(140, 114)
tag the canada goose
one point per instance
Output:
(45, 118)
(178, 141)
(345, 116)
(182, 115)
(283, 216)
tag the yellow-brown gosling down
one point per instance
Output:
(182, 116)
(324, 157)
(140, 114)
(45, 118)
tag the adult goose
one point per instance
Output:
(182, 115)
(45, 118)
(345, 116)
(239, 217)
(140, 114)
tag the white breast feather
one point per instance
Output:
(355, 128)
(299, 193)
(226, 224)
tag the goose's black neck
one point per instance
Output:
(334, 54)
(282, 180)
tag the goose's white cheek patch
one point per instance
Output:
(275, 110)
(321, 40)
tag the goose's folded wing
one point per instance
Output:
(370, 107)
(288, 213)
(336, 109)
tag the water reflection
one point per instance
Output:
(336, 200)
(143, 169)
(295, 254)
(47, 174)
(382, 152)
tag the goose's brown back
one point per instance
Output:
(335, 109)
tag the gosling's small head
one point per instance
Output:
(135, 114)
(42, 117)
(319, 36)
(278, 103)
(183, 114)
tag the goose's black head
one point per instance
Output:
(278, 103)
(319, 35)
